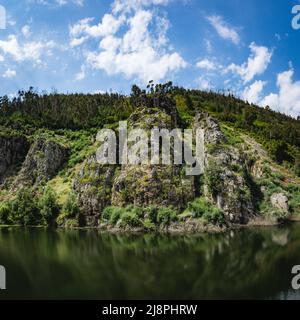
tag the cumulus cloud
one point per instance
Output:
(253, 93)
(57, 2)
(207, 64)
(81, 74)
(257, 63)
(9, 73)
(26, 31)
(287, 100)
(82, 30)
(32, 50)
(129, 5)
(204, 84)
(133, 42)
(224, 30)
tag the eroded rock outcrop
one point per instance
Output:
(280, 201)
(98, 186)
(93, 186)
(43, 161)
(165, 185)
(13, 151)
(225, 182)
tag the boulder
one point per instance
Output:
(280, 201)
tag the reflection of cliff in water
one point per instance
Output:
(252, 263)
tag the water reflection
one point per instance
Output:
(253, 263)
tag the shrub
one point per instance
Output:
(149, 225)
(5, 209)
(200, 208)
(24, 209)
(71, 208)
(71, 214)
(49, 207)
(213, 179)
(112, 214)
(130, 218)
(151, 213)
(166, 215)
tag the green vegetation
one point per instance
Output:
(26, 209)
(72, 121)
(200, 208)
(49, 208)
(277, 132)
(150, 218)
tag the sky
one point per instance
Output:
(248, 47)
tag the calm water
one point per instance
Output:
(253, 263)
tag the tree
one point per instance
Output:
(49, 207)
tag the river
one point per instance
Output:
(87, 264)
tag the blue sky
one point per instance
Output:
(247, 47)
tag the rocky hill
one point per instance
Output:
(50, 176)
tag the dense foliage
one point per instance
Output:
(279, 133)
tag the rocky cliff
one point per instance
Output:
(238, 185)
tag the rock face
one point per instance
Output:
(153, 185)
(280, 202)
(98, 186)
(42, 162)
(13, 151)
(93, 186)
(225, 185)
(163, 185)
(212, 131)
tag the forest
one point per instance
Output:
(277, 132)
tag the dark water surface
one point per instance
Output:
(249, 263)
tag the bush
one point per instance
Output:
(149, 225)
(213, 179)
(200, 208)
(71, 208)
(24, 209)
(5, 209)
(166, 215)
(128, 216)
(71, 214)
(49, 207)
(112, 214)
(151, 213)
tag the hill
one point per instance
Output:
(49, 174)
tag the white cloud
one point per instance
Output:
(9, 73)
(26, 31)
(208, 45)
(287, 100)
(253, 92)
(57, 2)
(133, 42)
(81, 74)
(204, 84)
(224, 30)
(82, 30)
(27, 51)
(257, 63)
(206, 64)
(129, 5)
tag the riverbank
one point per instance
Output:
(192, 226)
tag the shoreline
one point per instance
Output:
(175, 228)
